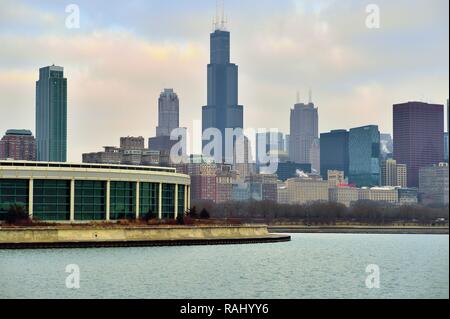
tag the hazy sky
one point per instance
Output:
(126, 52)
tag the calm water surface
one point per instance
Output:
(311, 266)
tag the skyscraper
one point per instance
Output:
(418, 137)
(304, 131)
(334, 152)
(364, 156)
(168, 120)
(168, 113)
(18, 145)
(222, 110)
(51, 115)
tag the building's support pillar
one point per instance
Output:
(185, 198)
(189, 198)
(176, 201)
(72, 200)
(160, 202)
(30, 198)
(138, 193)
(108, 200)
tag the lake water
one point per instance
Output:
(310, 266)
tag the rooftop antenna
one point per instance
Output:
(222, 19)
(298, 97)
(310, 96)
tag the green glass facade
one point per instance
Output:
(123, 200)
(51, 200)
(90, 200)
(181, 204)
(148, 198)
(168, 201)
(13, 192)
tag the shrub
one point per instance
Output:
(17, 216)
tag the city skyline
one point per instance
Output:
(268, 85)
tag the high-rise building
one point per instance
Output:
(387, 146)
(304, 131)
(334, 152)
(272, 143)
(18, 145)
(393, 174)
(168, 120)
(434, 184)
(364, 156)
(168, 113)
(222, 110)
(446, 147)
(418, 137)
(51, 115)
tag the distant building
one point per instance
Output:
(336, 178)
(306, 190)
(18, 145)
(434, 184)
(131, 152)
(290, 170)
(51, 115)
(225, 177)
(168, 113)
(379, 194)
(267, 183)
(334, 152)
(132, 143)
(270, 142)
(393, 174)
(446, 147)
(386, 146)
(418, 137)
(344, 195)
(364, 156)
(222, 110)
(407, 196)
(304, 122)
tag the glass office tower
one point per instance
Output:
(364, 156)
(51, 115)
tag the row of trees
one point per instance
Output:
(327, 213)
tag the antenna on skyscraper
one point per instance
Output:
(310, 96)
(222, 18)
(298, 97)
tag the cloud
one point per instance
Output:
(123, 56)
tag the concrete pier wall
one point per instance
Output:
(60, 235)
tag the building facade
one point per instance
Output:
(18, 145)
(343, 195)
(434, 184)
(364, 156)
(87, 192)
(334, 153)
(222, 110)
(168, 113)
(418, 137)
(393, 174)
(304, 124)
(306, 190)
(51, 115)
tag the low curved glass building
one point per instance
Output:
(92, 192)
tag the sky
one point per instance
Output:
(124, 53)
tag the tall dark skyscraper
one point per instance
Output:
(334, 152)
(223, 110)
(418, 137)
(51, 115)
